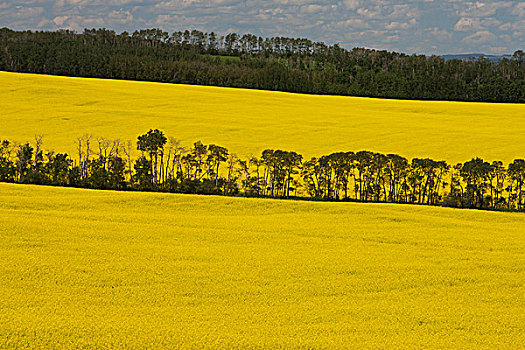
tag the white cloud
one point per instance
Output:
(397, 25)
(480, 37)
(369, 13)
(44, 23)
(313, 8)
(467, 24)
(60, 20)
(483, 9)
(354, 23)
(440, 34)
(351, 4)
(120, 17)
(403, 11)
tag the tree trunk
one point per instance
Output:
(510, 192)
(217, 176)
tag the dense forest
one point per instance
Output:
(248, 61)
(164, 165)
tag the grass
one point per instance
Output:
(102, 269)
(248, 121)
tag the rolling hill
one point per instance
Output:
(248, 121)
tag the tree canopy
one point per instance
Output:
(248, 61)
(164, 165)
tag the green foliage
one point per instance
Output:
(58, 168)
(7, 168)
(142, 175)
(279, 63)
(342, 176)
(152, 142)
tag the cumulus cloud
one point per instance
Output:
(483, 9)
(439, 34)
(467, 24)
(403, 11)
(480, 37)
(397, 25)
(120, 17)
(349, 24)
(60, 20)
(424, 26)
(351, 4)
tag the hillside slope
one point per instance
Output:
(248, 121)
(103, 269)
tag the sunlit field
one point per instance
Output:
(248, 121)
(103, 269)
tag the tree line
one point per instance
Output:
(248, 61)
(164, 165)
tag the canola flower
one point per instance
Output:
(104, 269)
(90, 269)
(62, 109)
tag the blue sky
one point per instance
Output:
(424, 26)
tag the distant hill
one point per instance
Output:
(475, 56)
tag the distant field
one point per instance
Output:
(248, 121)
(88, 269)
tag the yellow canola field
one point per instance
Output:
(248, 121)
(102, 269)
